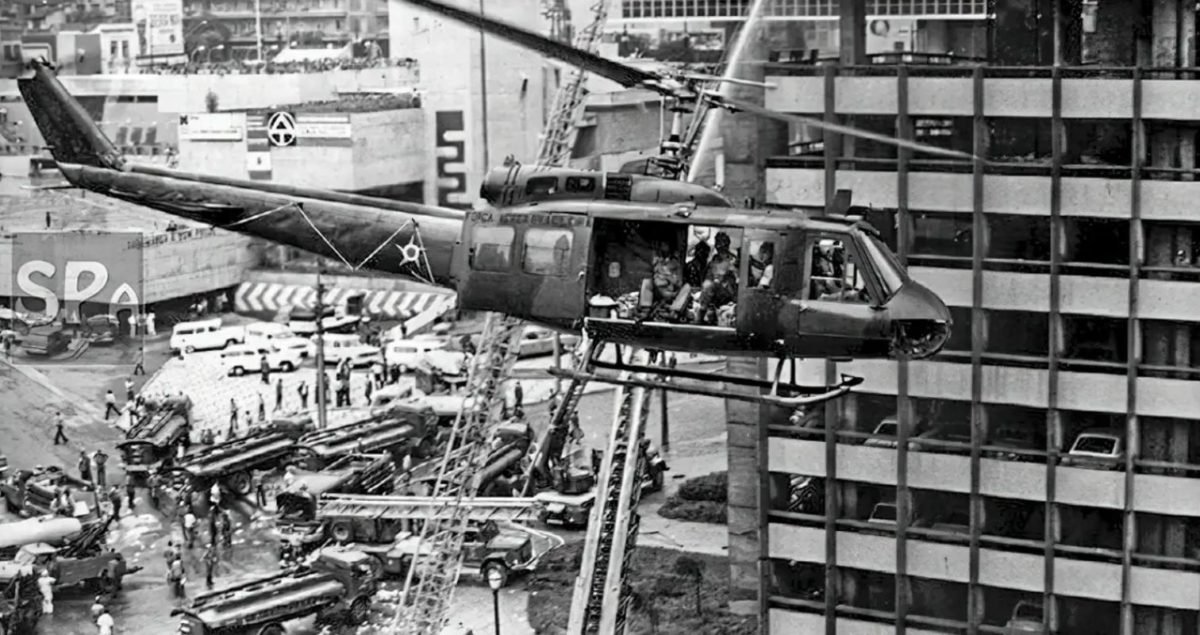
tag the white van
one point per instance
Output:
(406, 353)
(339, 346)
(244, 358)
(277, 335)
(204, 335)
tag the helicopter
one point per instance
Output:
(570, 249)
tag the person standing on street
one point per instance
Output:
(105, 623)
(130, 492)
(85, 467)
(265, 367)
(110, 405)
(278, 394)
(233, 410)
(140, 367)
(100, 459)
(152, 489)
(46, 586)
(260, 490)
(262, 409)
(150, 328)
(210, 564)
(518, 399)
(367, 390)
(225, 526)
(214, 495)
(128, 389)
(302, 390)
(114, 497)
(189, 528)
(377, 375)
(177, 577)
(59, 422)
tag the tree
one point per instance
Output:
(689, 567)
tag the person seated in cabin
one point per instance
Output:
(720, 285)
(826, 272)
(668, 274)
(762, 267)
(697, 267)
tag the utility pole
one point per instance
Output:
(258, 29)
(321, 388)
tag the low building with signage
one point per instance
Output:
(368, 144)
(176, 262)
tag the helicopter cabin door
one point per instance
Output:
(527, 265)
(836, 313)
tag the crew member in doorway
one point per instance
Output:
(720, 287)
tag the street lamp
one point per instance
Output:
(495, 580)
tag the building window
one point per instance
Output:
(1097, 240)
(1095, 339)
(1021, 238)
(1019, 333)
(125, 48)
(941, 236)
(491, 248)
(547, 252)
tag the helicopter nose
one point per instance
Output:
(920, 321)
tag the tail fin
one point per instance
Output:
(69, 131)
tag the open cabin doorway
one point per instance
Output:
(665, 272)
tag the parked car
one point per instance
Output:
(1097, 449)
(948, 433)
(102, 329)
(1027, 617)
(45, 340)
(242, 358)
(276, 335)
(204, 335)
(408, 353)
(339, 346)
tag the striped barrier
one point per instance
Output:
(421, 308)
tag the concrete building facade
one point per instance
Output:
(1070, 262)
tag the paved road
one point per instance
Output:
(143, 607)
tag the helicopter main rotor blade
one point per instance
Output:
(726, 80)
(630, 77)
(626, 76)
(745, 106)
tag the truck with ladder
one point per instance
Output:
(385, 526)
(296, 523)
(231, 463)
(397, 429)
(163, 426)
(336, 585)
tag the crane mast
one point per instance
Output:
(433, 575)
(558, 139)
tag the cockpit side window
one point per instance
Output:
(491, 248)
(581, 184)
(836, 273)
(547, 252)
(542, 186)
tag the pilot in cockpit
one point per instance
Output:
(668, 274)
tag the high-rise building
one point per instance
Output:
(296, 23)
(1043, 471)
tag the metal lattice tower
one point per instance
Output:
(600, 604)
(434, 572)
(558, 138)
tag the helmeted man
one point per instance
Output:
(46, 586)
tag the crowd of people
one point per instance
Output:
(241, 67)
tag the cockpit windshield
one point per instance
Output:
(891, 273)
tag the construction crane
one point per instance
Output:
(558, 138)
(431, 579)
(559, 15)
(600, 603)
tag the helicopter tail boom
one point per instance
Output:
(69, 131)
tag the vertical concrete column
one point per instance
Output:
(852, 31)
(748, 139)
(848, 418)
(746, 426)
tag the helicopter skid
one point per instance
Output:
(795, 395)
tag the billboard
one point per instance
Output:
(159, 25)
(212, 126)
(75, 296)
